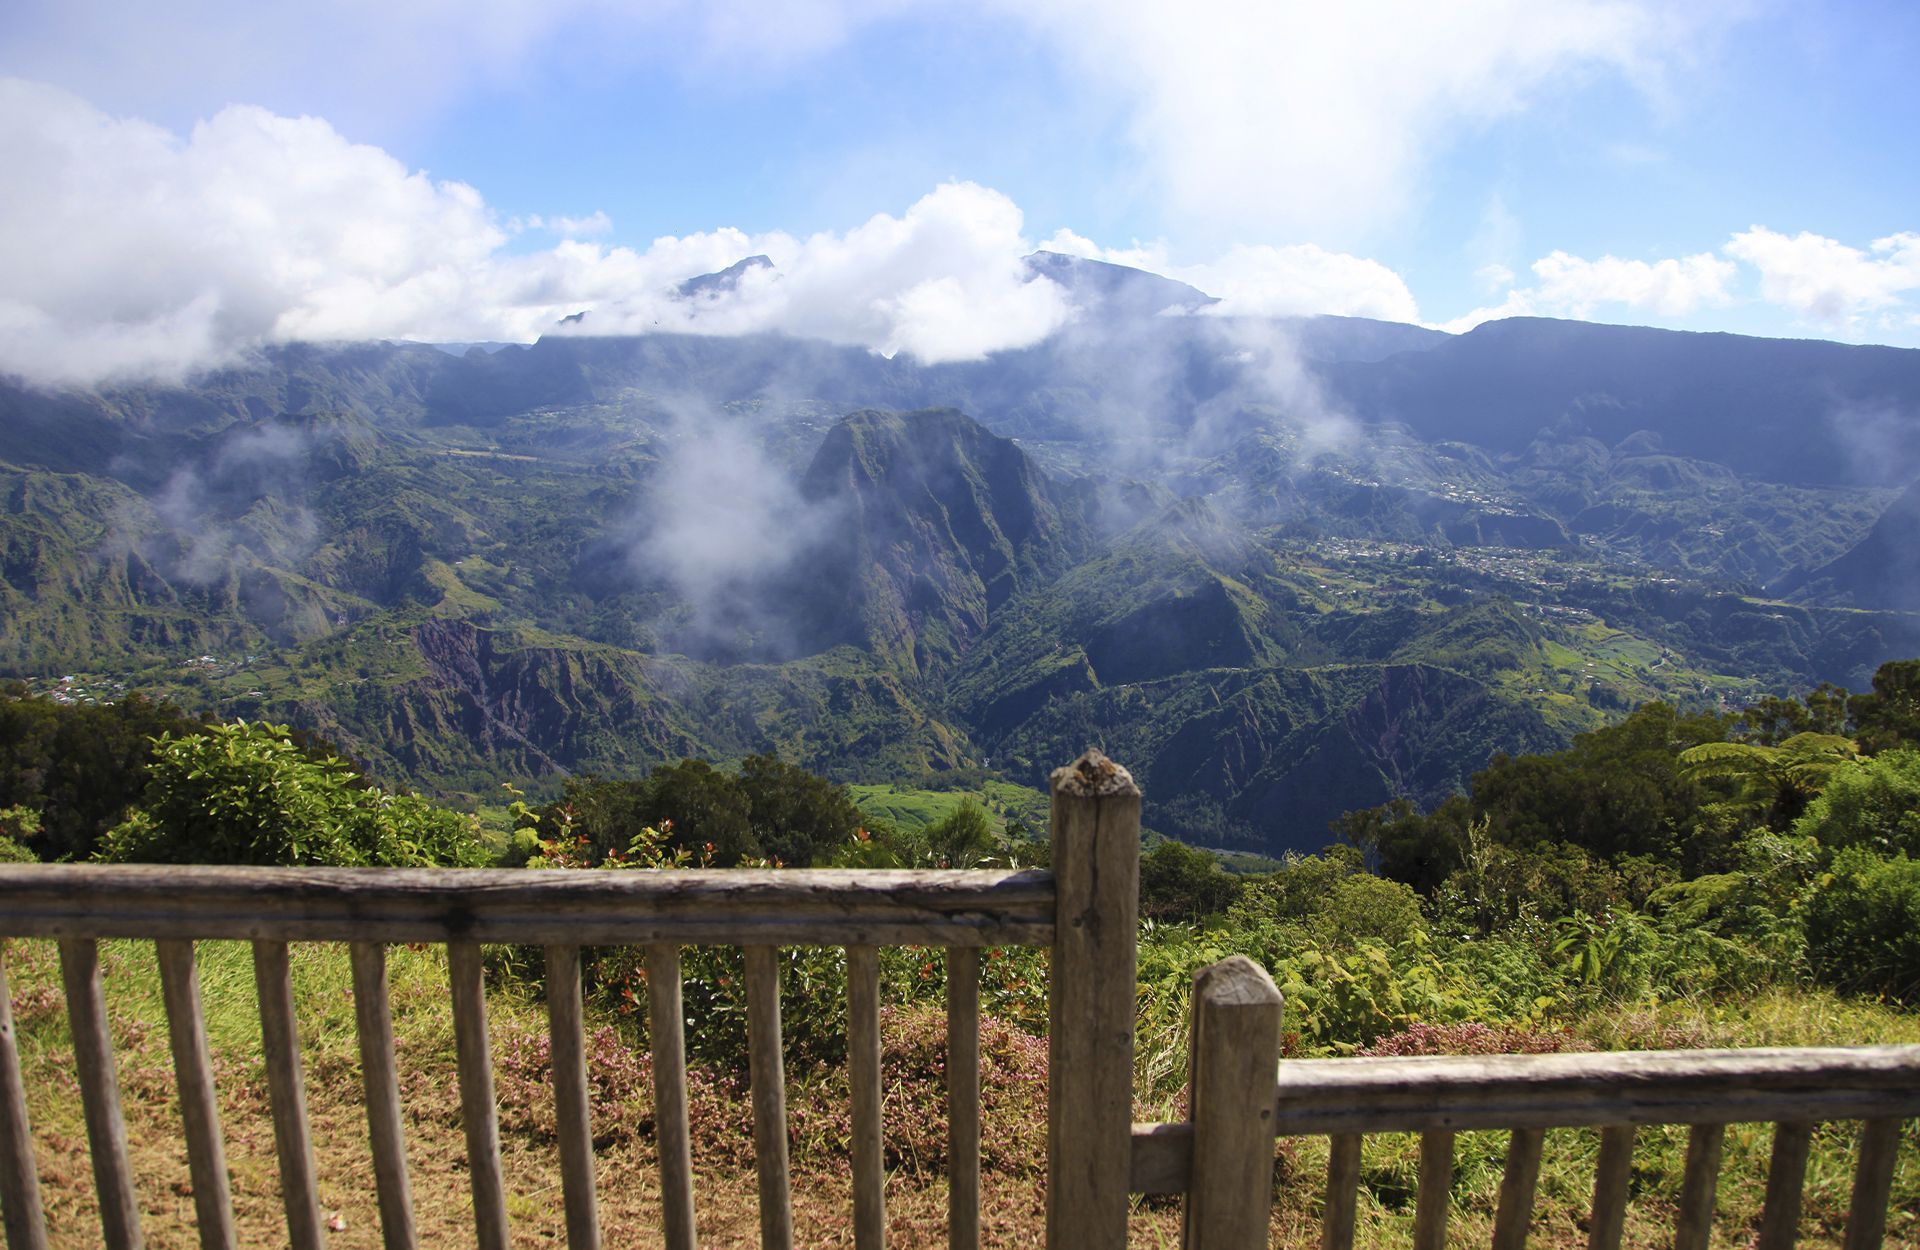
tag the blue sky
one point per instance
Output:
(418, 168)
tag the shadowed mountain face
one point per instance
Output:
(1882, 570)
(1281, 568)
(938, 523)
(1797, 412)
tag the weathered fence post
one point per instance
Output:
(1096, 870)
(1231, 1064)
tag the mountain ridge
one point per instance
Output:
(1178, 536)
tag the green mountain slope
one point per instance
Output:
(509, 565)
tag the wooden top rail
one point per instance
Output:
(1347, 1098)
(1405, 1095)
(579, 907)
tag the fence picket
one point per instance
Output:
(24, 1219)
(1699, 1184)
(1235, 1047)
(666, 1028)
(199, 1109)
(286, 1093)
(1515, 1212)
(100, 1093)
(1872, 1185)
(1436, 1188)
(373, 1020)
(1786, 1177)
(479, 1113)
(963, 1098)
(1096, 867)
(1343, 1192)
(863, 1073)
(766, 1066)
(569, 1059)
(1610, 1179)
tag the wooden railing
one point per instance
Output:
(1084, 910)
(1223, 1158)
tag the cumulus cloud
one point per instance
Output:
(131, 251)
(1303, 117)
(1821, 281)
(127, 249)
(1672, 287)
(943, 281)
(1251, 116)
(1827, 281)
(1573, 286)
(1268, 281)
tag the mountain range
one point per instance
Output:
(1280, 567)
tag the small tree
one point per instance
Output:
(1876, 805)
(248, 794)
(963, 839)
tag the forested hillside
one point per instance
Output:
(1282, 568)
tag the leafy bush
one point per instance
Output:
(1876, 806)
(769, 810)
(17, 824)
(1364, 908)
(963, 839)
(1863, 925)
(1470, 1039)
(248, 794)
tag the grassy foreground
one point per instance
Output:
(1014, 1134)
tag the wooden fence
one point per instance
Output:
(1223, 1159)
(1084, 910)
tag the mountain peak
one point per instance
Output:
(1117, 290)
(723, 281)
(944, 521)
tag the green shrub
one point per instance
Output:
(1875, 806)
(1863, 925)
(248, 794)
(17, 825)
(1364, 908)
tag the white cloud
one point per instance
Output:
(1573, 286)
(1672, 287)
(944, 281)
(1827, 281)
(1254, 117)
(1267, 281)
(1820, 280)
(1305, 117)
(127, 250)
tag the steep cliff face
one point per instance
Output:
(490, 702)
(1411, 730)
(456, 706)
(1882, 570)
(941, 522)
